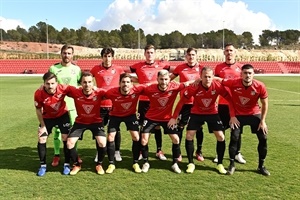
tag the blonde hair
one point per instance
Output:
(163, 72)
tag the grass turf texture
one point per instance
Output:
(19, 158)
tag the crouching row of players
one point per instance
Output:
(243, 102)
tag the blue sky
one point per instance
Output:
(154, 16)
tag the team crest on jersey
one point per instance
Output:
(126, 106)
(206, 102)
(253, 92)
(87, 108)
(73, 71)
(113, 71)
(170, 93)
(55, 106)
(59, 96)
(66, 80)
(243, 100)
(133, 96)
(213, 92)
(95, 98)
(150, 75)
(107, 79)
(163, 101)
(191, 77)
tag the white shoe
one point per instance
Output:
(176, 168)
(216, 159)
(161, 156)
(240, 158)
(118, 156)
(145, 167)
(96, 157)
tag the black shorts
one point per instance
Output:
(223, 111)
(213, 121)
(104, 114)
(63, 122)
(131, 122)
(184, 114)
(149, 124)
(143, 107)
(78, 129)
(252, 120)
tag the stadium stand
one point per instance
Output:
(40, 66)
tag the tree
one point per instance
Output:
(129, 36)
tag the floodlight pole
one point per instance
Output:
(223, 36)
(47, 39)
(139, 36)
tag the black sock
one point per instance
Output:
(74, 156)
(199, 137)
(175, 152)
(135, 151)
(145, 152)
(220, 151)
(42, 150)
(189, 147)
(66, 152)
(118, 141)
(158, 139)
(101, 154)
(110, 152)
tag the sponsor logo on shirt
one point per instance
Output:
(87, 108)
(55, 106)
(163, 101)
(126, 106)
(66, 80)
(243, 100)
(206, 102)
(107, 79)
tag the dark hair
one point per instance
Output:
(191, 49)
(107, 50)
(149, 46)
(65, 47)
(228, 44)
(247, 66)
(85, 74)
(125, 75)
(49, 75)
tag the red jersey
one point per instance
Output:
(245, 99)
(124, 105)
(147, 73)
(226, 71)
(87, 107)
(53, 105)
(107, 78)
(187, 73)
(205, 99)
(161, 102)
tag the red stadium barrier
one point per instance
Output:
(40, 66)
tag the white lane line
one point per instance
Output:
(284, 90)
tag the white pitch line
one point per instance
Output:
(284, 90)
(284, 100)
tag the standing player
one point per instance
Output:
(187, 72)
(147, 73)
(51, 111)
(87, 102)
(107, 76)
(67, 73)
(246, 92)
(204, 110)
(124, 99)
(162, 96)
(230, 69)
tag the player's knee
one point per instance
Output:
(220, 136)
(42, 140)
(235, 134)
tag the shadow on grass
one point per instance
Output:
(26, 159)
